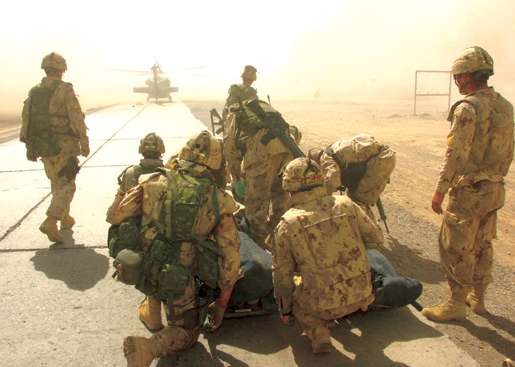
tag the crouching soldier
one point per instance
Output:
(152, 148)
(322, 238)
(187, 250)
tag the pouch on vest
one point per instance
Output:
(123, 236)
(41, 138)
(207, 262)
(128, 266)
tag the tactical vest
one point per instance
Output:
(176, 255)
(41, 137)
(129, 177)
(491, 150)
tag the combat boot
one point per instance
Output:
(150, 314)
(476, 300)
(67, 222)
(140, 351)
(320, 340)
(454, 309)
(508, 363)
(49, 227)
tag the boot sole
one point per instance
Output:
(50, 237)
(152, 330)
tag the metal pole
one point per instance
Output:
(415, 95)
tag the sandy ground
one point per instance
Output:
(412, 246)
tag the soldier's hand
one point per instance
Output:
(31, 156)
(287, 319)
(84, 148)
(436, 202)
(215, 317)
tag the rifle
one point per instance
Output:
(382, 214)
(213, 114)
(277, 128)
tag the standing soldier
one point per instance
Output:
(152, 148)
(322, 238)
(53, 129)
(479, 154)
(241, 92)
(188, 237)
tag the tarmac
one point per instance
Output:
(61, 307)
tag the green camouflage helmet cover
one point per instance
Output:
(302, 174)
(151, 144)
(53, 61)
(473, 59)
(203, 149)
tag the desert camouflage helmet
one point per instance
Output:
(151, 144)
(249, 72)
(53, 61)
(203, 149)
(473, 59)
(302, 174)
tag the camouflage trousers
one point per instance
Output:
(468, 228)
(265, 200)
(185, 317)
(61, 171)
(316, 324)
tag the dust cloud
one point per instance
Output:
(347, 50)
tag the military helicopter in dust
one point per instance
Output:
(158, 86)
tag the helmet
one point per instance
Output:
(249, 72)
(53, 61)
(301, 174)
(151, 144)
(203, 149)
(473, 59)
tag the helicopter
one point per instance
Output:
(157, 87)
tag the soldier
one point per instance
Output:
(322, 238)
(152, 148)
(241, 92)
(255, 157)
(188, 234)
(479, 154)
(53, 129)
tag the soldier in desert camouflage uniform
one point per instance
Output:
(322, 238)
(212, 219)
(479, 154)
(152, 148)
(241, 92)
(53, 128)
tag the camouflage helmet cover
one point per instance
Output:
(249, 72)
(301, 174)
(151, 144)
(203, 149)
(473, 59)
(53, 61)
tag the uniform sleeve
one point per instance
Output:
(331, 173)
(228, 240)
(369, 229)
(25, 114)
(459, 142)
(129, 206)
(75, 115)
(284, 267)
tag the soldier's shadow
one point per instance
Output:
(79, 267)
(360, 341)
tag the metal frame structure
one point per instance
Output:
(416, 94)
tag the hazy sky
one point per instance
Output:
(349, 49)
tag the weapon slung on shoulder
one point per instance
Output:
(277, 127)
(382, 214)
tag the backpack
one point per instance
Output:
(41, 138)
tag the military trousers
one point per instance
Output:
(61, 171)
(469, 225)
(265, 200)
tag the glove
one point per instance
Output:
(84, 148)
(30, 155)
(215, 317)
(287, 319)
